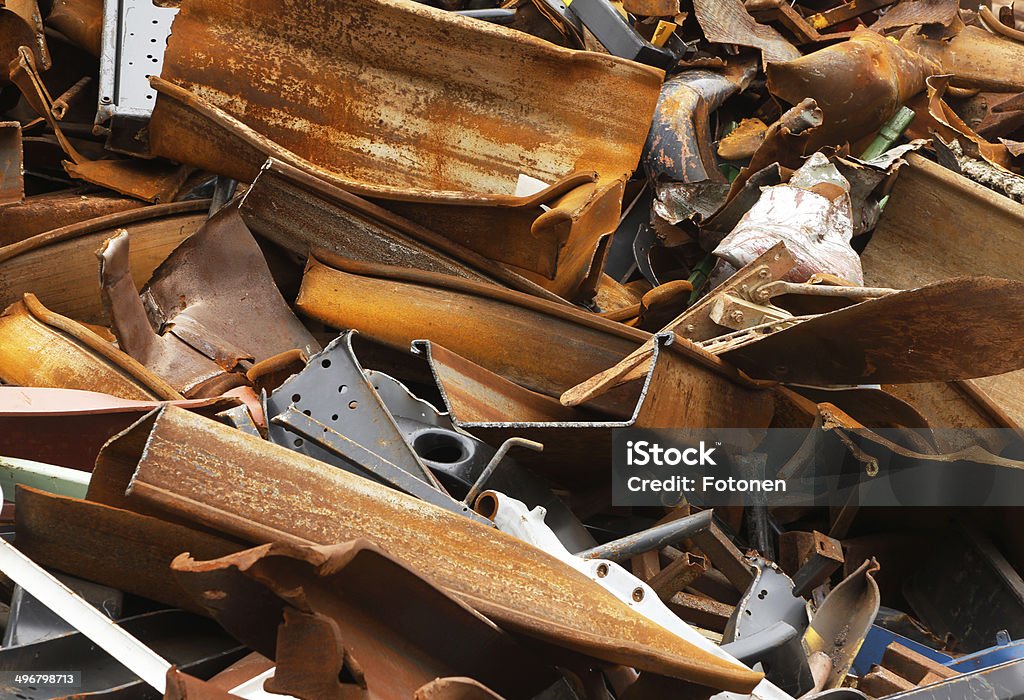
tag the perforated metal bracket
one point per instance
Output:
(133, 43)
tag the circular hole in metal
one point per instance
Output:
(298, 442)
(296, 398)
(334, 417)
(602, 570)
(342, 389)
(353, 405)
(325, 363)
(439, 447)
(638, 594)
(308, 412)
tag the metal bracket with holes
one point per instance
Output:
(133, 42)
(332, 412)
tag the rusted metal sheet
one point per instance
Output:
(81, 21)
(72, 288)
(346, 615)
(21, 24)
(728, 22)
(41, 348)
(111, 546)
(920, 240)
(67, 427)
(203, 470)
(858, 84)
(191, 371)
(216, 120)
(975, 58)
(303, 213)
(209, 311)
(45, 212)
(842, 622)
(577, 440)
(911, 12)
(522, 338)
(899, 338)
(12, 185)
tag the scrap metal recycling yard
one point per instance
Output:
(512, 349)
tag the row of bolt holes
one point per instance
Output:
(149, 56)
(341, 390)
(638, 593)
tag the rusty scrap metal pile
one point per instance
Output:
(320, 318)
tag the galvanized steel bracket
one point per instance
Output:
(133, 42)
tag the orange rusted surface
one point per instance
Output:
(44, 212)
(72, 288)
(858, 84)
(210, 473)
(443, 140)
(896, 339)
(302, 213)
(360, 608)
(521, 338)
(40, 348)
(87, 540)
(489, 104)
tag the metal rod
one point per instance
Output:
(653, 538)
(481, 480)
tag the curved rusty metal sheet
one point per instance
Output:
(351, 604)
(72, 288)
(91, 541)
(975, 58)
(441, 141)
(728, 22)
(206, 472)
(841, 624)
(21, 24)
(524, 339)
(81, 21)
(42, 349)
(520, 337)
(45, 212)
(301, 213)
(911, 336)
(210, 310)
(491, 103)
(671, 392)
(859, 84)
(67, 427)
